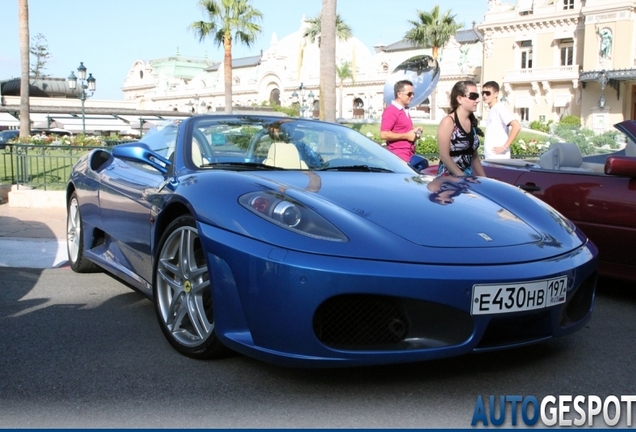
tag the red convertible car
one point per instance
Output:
(596, 192)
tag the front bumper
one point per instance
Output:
(300, 309)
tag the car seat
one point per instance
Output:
(630, 148)
(284, 155)
(562, 156)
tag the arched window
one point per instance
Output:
(274, 97)
(358, 108)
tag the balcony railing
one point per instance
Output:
(555, 73)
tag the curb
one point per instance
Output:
(30, 198)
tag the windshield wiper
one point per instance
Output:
(249, 165)
(356, 168)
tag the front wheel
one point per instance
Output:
(183, 294)
(75, 238)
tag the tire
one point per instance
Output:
(75, 238)
(183, 293)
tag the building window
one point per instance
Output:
(567, 55)
(526, 54)
(524, 114)
(568, 4)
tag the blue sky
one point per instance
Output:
(110, 35)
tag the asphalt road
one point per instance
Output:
(85, 351)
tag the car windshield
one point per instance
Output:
(282, 143)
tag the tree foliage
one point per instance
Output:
(432, 30)
(40, 50)
(229, 20)
(343, 72)
(313, 30)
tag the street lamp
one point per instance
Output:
(306, 104)
(85, 84)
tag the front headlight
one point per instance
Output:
(290, 214)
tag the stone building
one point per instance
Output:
(290, 66)
(558, 57)
(551, 58)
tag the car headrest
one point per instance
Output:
(561, 155)
(284, 155)
(630, 148)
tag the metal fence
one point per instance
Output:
(45, 167)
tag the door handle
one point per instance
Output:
(529, 187)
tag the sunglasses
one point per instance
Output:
(472, 96)
(486, 93)
(409, 94)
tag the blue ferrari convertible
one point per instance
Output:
(305, 243)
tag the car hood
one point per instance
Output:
(395, 216)
(405, 206)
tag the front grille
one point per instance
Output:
(360, 320)
(510, 329)
(579, 306)
(376, 322)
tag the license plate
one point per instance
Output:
(518, 296)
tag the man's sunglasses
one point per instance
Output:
(486, 93)
(472, 96)
(409, 94)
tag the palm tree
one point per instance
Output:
(25, 120)
(328, 29)
(229, 19)
(344, 72)
(432, 30)
(312, 31)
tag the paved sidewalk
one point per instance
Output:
(32, 237)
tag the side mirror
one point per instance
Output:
(418, 163)
(141, 153)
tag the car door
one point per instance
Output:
(602, 206)
(126, 212)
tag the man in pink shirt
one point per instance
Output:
(397, 127)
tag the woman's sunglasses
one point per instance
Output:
(472, 96)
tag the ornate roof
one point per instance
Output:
(471, 35)
(12, 88)
(38, 87)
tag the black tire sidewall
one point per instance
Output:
(81, 264)
(209, 348)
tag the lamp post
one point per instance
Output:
(306, 105)
(85, 84)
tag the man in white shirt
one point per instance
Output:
(501, 125)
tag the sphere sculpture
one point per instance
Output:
(423, 71)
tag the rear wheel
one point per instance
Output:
(183, 294)
(75, 238)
